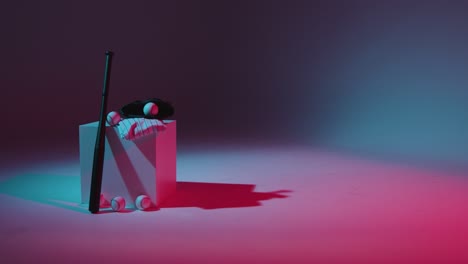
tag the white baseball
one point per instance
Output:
(118, 203)
(143, 202)
(113, 118)
(150, 109)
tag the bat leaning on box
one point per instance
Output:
(98, 161)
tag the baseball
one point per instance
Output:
(143, 202)
(150, 109)
(113, 118)
(118, 203)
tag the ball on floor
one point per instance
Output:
(143, 202)
(118, 203)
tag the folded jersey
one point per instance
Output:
(133, 128)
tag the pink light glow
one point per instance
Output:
(339, 209)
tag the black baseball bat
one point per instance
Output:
(98, 162)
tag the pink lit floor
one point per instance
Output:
(243, 205)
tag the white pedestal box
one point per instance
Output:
(144, 166)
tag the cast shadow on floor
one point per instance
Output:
(64, 192)
(207, 195)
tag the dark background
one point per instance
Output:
(385, 78)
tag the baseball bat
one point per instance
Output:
(99, 147)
